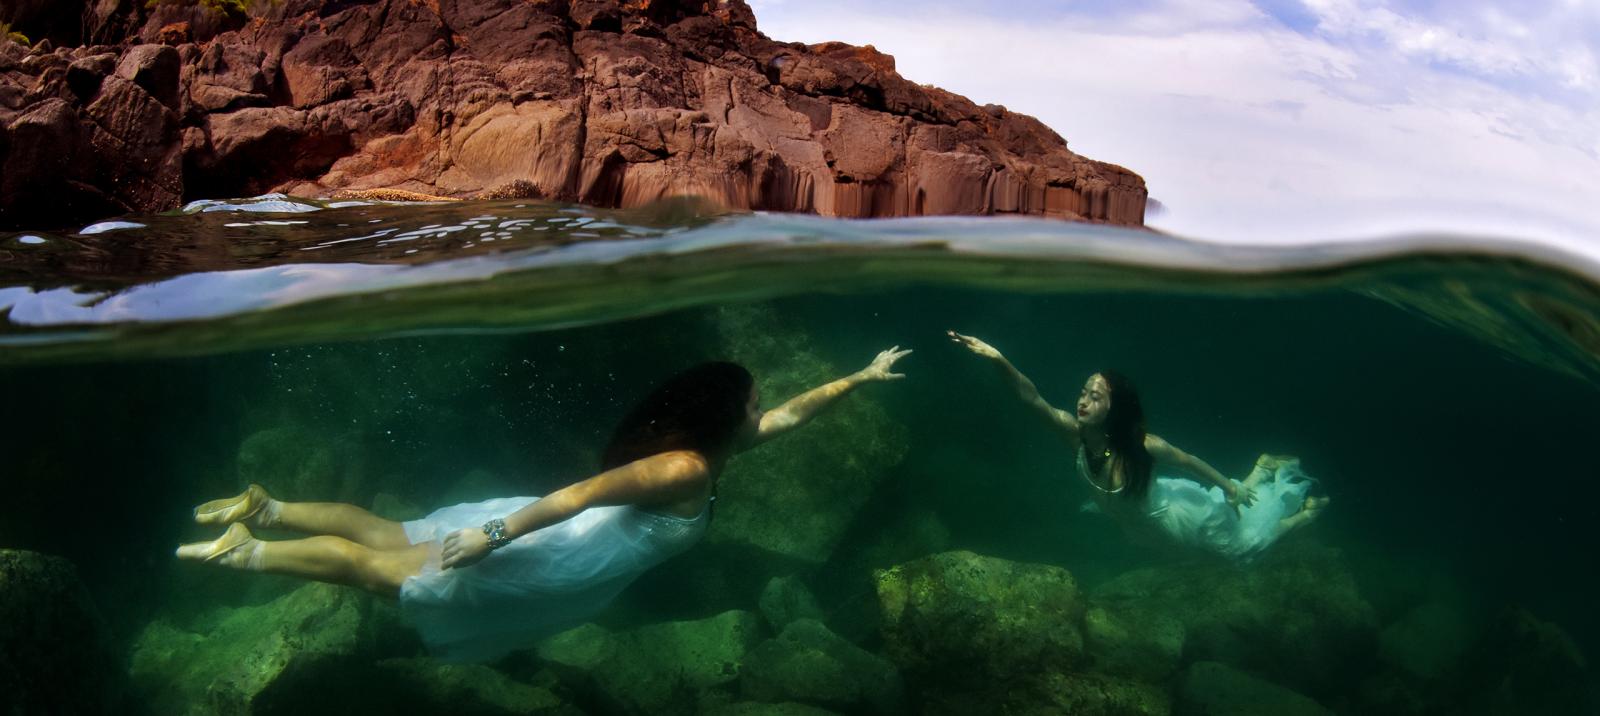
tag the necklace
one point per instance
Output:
(1091, 472)
(1104, 454)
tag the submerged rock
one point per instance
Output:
(603, 102)
(664, 668)
(960, 617)
(1212, 689)
(279, 657)
(786, 600)
(427, 686)
(1428, 642)
(752, 708)
(55, 655)
(1295, 616)
(809, 664)
(1525, 665)
(1134, 643)
(1049, 694)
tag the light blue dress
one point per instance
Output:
(1198, 516)
(541, 583)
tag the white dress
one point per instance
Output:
(541, 583)
(1195, 515)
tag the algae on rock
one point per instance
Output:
(264, 659)
(425, 685)
(967, 616)
(1295, 616)
(666, 668)
(809, 664)
(1214, 689)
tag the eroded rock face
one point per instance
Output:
(599, 101)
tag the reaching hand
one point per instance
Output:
(880, 367)
(974, 345)
(1240, 496)
(464, 548)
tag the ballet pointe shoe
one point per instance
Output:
(254, 507)
(235, 548)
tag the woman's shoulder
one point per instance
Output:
(679, 464)
(1154, 444)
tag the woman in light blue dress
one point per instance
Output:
(482, 579)
(1147, 484)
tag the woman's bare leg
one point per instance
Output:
(339, 561)
(255, 508)
(324, 559)
(342, 520)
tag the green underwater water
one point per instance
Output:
(1447, 401)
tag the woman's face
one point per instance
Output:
(1094, 401)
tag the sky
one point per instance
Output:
(1282, 120)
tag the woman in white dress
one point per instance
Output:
(479, 580)
(1145, 482)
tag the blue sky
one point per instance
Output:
(1282, 120)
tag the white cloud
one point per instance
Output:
(1484, 40)
(1247, 130)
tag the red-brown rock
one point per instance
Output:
(610, 102)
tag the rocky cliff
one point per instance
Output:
(135, 106)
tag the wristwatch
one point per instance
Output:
(495, 530)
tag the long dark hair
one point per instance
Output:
(1125, 431)
(700, 409)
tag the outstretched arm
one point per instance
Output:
(1026, 390)
(1165, 453)
(802, 408)
(666, 477)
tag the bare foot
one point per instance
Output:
(1310, 510)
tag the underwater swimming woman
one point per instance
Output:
(1134, 476)
(479, 580)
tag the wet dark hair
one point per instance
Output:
(1125, 431)
(701, 409)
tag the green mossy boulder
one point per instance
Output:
(1212, 689)
(959, 616)
(785, 600)
(55, 656)
(422, 685)
(1049, 694)
(809, 664)
(1139, 644)
(749, 708)
(668, 668)
(280, 657)
(1295, 617)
